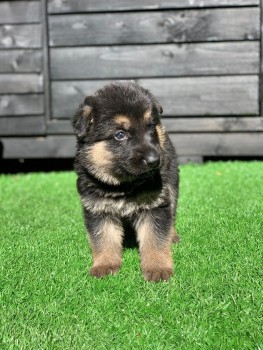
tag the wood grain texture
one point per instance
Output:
(214, 124)
(39, 147)
(235, 95)
(67, 96)
(22, 126)
(231, 144)
(20, 36)
(195, 124)
(19, 12)
(20, 61)
(187, 144)
(59, 127)
(155, 27)
(20, 83)
(21, 104)
(155, 60)
(69, 6)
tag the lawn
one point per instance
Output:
(214, 301)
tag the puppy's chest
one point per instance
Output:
(125, 204)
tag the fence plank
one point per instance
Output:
(67, 95)
(39, 147)
(215, 124)
(155, 60)
(155, 27)
(19, 12)
(235, 95)
(20, 36)
(172, 125)
(21, 104)
(20, 61)
(25, 126)
(20, 83)
(68, 6)
(222, 144)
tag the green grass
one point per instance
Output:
(214, 301)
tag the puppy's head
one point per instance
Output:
(119, 133)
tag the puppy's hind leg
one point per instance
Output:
(105, 236)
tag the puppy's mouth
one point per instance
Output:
(150, 172)
(131, 174)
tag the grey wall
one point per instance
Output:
(200, 58)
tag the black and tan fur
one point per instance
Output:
(127, 174)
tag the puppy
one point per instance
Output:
(127, 174)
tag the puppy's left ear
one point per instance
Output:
(83, 118)
(158, 109)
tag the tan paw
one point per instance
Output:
(157, 274)
(104, 270)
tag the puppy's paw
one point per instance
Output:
(157, 274)
(104, 270)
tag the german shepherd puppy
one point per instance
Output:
(127, 174)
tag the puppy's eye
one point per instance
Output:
(120, 136)
(152, 126)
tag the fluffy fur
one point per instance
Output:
(127, 177)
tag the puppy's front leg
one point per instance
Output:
(155, 233)
(105, 236)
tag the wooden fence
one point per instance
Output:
(201, 58)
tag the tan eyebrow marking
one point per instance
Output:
(123, 120)
(147, 116)
(86, 111)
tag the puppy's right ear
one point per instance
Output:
(83, 118)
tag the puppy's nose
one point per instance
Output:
(152, 159)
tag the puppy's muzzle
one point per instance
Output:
(152, 159)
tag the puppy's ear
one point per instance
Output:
(158, 109)
(83, 118)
